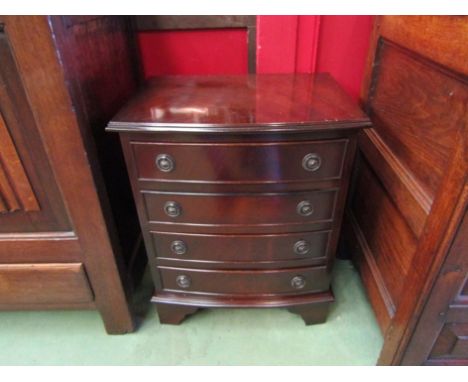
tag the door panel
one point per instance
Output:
(29, 197)
(380, 223)
(43, 284)
(408, 185)
(418, 122)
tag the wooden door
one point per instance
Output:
(407, 198)
(57, 247)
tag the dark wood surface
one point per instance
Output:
(441, 336)
(248, 248)
(252, 162)
(237, 209)
(265, 102)
(374, 216)
(58, 252)
(245, 283)
(238, 196)
(173, 308)
(421, 143)
(408, 200)
(97, 96)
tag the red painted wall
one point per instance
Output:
(285, 44)
(215, 51)
(342, 49)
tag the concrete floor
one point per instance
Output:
(210, 337)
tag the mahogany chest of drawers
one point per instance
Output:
(240, 184)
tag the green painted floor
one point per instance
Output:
(210, 337)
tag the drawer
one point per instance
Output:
(284, 281)
(240, 209)
(241, 248)
(252, 162)
(44, 284)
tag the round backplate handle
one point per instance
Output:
(305, 208)
(178, 247)
(302, 247)
(165, 163)
(183, 281)
(311, 162)
(298, 282)
(172, 209)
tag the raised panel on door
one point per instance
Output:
(403, 217)
(388, 237)
(30, 200)
(416, 108)
(54, 284)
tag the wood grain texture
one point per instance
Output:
(58, 165)
(245, 283)
(248, 248)
(15, 189)
(28, 183)
(94, 52)
(406, 193)
(416, 92)
(439, 38)
(248, 209)
(380, 223)
(266, 102)
(43, 284)
(442, 330)
(419, 123)
(47, 247)
(237, 195)
(252, 162)
(377, 291)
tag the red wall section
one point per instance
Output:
(276, 44)
(342, 49)
(219, 51)
(287, 44)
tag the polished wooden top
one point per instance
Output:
(240, 103)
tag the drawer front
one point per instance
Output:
(250, 163)
(240, 209)
(43, 284)
(290, 281)
(241, 248)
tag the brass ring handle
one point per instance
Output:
(305, 208)
(312, 162)
(172, 209)
(183, 281)
(298, 282)
(178, 247)
(165, 163)
(302, 247)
